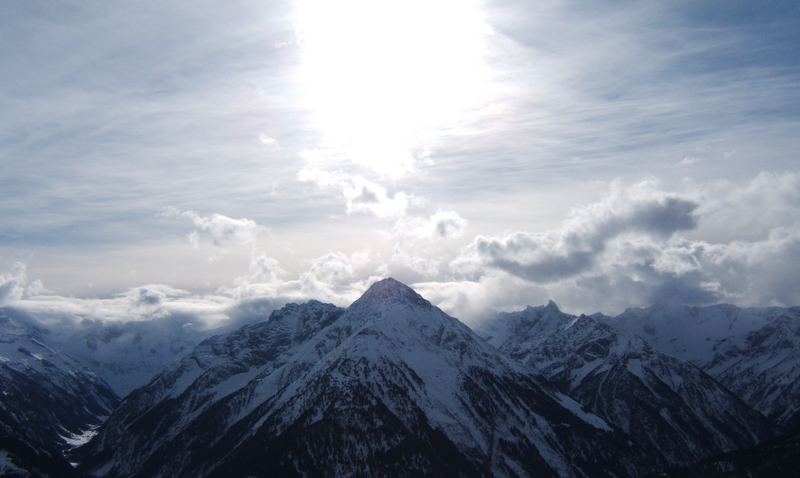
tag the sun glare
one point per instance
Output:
(381, 75)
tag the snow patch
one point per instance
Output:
(77, 439)
(587, 417)
(634, 366)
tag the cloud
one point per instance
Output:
(573, 249)
(638, 246)
(731, 211)
(441, 225)
(471, 300)
(15, 284)
(643, 272)
(149, 297)
(755, 272)
(334, 277)
(148, 302)
(690, 160)
(12, 283)
(448, 224)
(268, 140)
(220, 229)
(361, 195)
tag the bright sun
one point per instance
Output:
(381, 74)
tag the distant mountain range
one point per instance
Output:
(393, 386)
(754, 352)
(666, 403)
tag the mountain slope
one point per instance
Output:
(389, 386)
(776, 457)
(129, 354)
(48, 401)
(666, 404)
(755, 352)
(25, 458)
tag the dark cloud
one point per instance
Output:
(366, 196)
(150, 297)
(575, 247)
(447, 224)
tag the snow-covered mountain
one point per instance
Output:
(389, 386)
(755, 352)
(129, 354)
(663, 402)
(49, 402)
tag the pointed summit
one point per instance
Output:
(391, 291)
(552, 306)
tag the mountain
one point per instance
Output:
(390, 386)
(48, 401)
(755, 352)
(666, 404)
(776, 457)
(129, 354)
(25, 458)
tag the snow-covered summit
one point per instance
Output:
(525, 329)
(390, 293)
(550, 309)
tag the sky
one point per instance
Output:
(203, 156)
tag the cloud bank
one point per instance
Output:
(574, 249)
(636, 246)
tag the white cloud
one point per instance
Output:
(442, 224)
(12, 283)
(638, 245)
(148, 302)
(633, 249)
(217, 227)
(574, 248)
(470, 300)
(268, 140)
(333, 277)
(360, 194)
(731, 211)
(690, 160)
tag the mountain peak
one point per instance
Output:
(390, 290)
(550, 308)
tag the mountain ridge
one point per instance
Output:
(392, 364)
(662, 401)
(548, 393)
